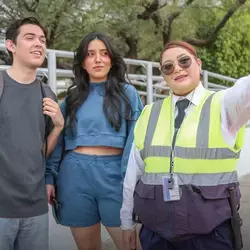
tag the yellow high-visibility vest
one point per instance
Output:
(201, 156)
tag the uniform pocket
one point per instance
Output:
(145, 191)
(145, 203)
(206, 207)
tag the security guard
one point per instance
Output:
(181, 181)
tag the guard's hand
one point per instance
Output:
(50, 192)
(129, 239)
(52, 109)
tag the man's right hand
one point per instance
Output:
(129, 239)
(50, 192)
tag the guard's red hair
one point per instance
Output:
(180, 44)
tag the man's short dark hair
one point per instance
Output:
(14, 28)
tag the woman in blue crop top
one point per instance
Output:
(100, 111)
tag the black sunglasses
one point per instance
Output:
(168, 68)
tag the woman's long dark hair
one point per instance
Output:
(114, 95)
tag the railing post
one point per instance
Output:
(52, 71)
(149, 82)
(205, 79)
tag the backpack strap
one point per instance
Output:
(1, 84)
(47, 92)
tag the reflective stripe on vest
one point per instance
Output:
(199, 165)
(193, 179)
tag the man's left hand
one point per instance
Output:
(52, 109)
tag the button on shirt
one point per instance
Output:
(235, 112)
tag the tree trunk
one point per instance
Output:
(132, 53)
(212, 37)
(167, 29)
(132, 43)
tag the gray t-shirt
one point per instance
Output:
(22, 166)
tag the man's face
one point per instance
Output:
(30, 47)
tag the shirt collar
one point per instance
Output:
(194, 97)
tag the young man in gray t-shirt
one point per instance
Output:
(23, 198)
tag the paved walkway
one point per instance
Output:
(61, 239)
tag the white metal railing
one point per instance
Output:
(152, 83)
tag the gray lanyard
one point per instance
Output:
(171, 168)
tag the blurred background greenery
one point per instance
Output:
(220, 29)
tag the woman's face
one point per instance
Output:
(181, 70)
(97, 62)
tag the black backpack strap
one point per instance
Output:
(46, 118)
(47, 92)
(1, 84)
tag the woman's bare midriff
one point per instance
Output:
(99, 150)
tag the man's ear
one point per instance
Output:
(10, 45)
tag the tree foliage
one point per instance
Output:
(140, 28)
(229, 54)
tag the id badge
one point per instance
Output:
(171, 189)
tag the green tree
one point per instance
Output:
(139, 28)
(229, 54)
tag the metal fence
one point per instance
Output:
(154, 85)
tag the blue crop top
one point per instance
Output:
(92, 128)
